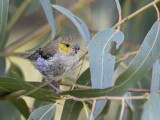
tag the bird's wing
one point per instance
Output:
(50, 49)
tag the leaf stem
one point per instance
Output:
(119, 12)
(122, 109)
(85, 108)
(145, 96)
(157, 10)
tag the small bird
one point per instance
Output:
(56, 59)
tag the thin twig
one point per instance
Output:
(92, 110)
(119, 13)
(122, 109)
(145, 96)
(157, 10)
(85, 108)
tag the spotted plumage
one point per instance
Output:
(56, 58)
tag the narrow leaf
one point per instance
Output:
(118, 7)
(21, 105)
(71, 110)
(155, 77)
(3, 66)
(43, 113)
(3, 21)
(152, 107)
(15, 72)
(49, 14)
(143, 61)
(11, 85)
(77, 21)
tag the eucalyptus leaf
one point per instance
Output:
(102, 61)
(43, 113)
(77, 21)
(155, 84)
(152, 107)
(49, 14)
(15, 72)
(71, 110)
(17, 88)
(3, 21)
(142, 63)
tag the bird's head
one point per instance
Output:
(68, 46)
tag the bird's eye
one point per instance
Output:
(67, 45)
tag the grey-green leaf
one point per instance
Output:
(11, 85)
(43, 113)
(8, 111)
(49, 14)
(3, 21)
(155, 83)
(77, 21)
(142, 63)
(102, 61)
(152, 107)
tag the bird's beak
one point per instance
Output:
(76, 48)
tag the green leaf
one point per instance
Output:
(155, 77)
(152, 107)
(71, 110)
(21, 105)
(3, 66)
(8, 111)
(141, 64)
(143, 61)
(3, 21)
(49, 14)
(85, 78)
(14, 87)
(43, 113)
(77, 21)
(15, 72)
(39, 103)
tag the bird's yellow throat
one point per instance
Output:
(62, 48)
